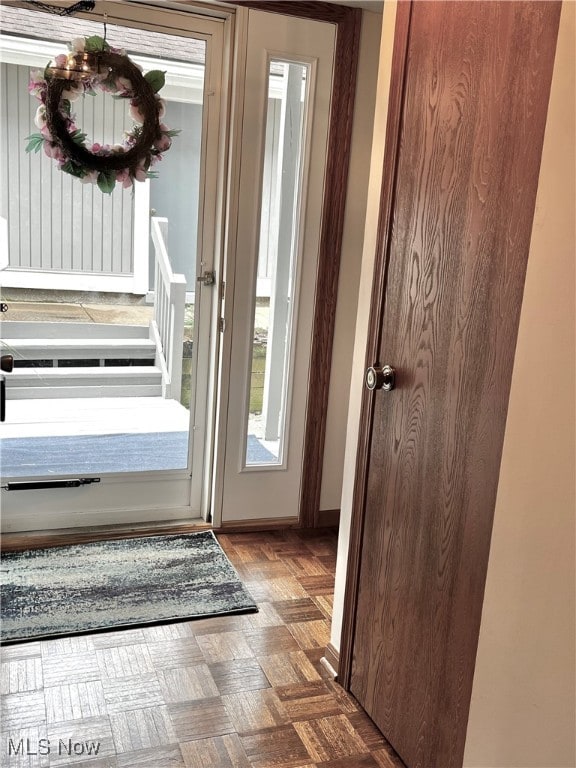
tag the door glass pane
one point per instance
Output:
(100, 288)
(275, 284)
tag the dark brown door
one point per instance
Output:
(475, 90)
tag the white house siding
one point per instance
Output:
(55, 223)
(175, 193)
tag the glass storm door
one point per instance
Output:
(110, 391)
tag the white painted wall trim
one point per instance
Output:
(66, 281)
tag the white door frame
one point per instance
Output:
(276, 489)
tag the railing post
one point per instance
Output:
(167, 327)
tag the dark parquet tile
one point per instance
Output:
(200, 719)
(219, 752)
(275, 748)
(247, 691)
(238, 675)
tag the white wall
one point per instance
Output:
(347, 302)
(523, 712)
(361, 326)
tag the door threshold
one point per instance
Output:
(14, 542)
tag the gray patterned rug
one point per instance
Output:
(113, 584)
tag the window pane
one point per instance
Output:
(277, 261)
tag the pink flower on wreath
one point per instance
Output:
(40, 117)
(100, 149)
(141, 172)
(53, 151)
(37, 84)
(163, 143)
(123, 177)
(123, 85)
(135, 113)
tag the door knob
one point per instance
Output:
(380, 378)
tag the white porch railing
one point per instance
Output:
(167, 326)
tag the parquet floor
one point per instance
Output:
(235, 692)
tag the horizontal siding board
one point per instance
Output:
(55, 222)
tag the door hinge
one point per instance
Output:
(221, 325)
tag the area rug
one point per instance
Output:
(107, 585)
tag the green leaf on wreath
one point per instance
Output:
(156, 79)
(78, 137)
(95, 43)
(35, 141)
(73, 169)
(106, 181)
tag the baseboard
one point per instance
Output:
(15, 542)
(265, 524)
(331, 660)
(327, 518)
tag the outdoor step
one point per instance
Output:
(91, 391)
(19, 329)
(79, 349)
(113, 381)
(68, 377)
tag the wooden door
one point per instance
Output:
(472, 92)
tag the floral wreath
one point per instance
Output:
(91, 66)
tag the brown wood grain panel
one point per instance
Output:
(298, 610)
(308, 701)
(159, 757)
(140, 729)
(15, 542)
(187, 684)
(476, 93)
(131, 693)
(389, 173)
(303, 8)
(330, 738)
(221, 752)
(238, 675)
(286, 668)
(200, 719)
(275, 748)
(75, 701)
(251, 711)
(338, 160)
